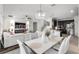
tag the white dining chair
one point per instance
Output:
(62, 49)
(54, 33)
(58, 45)
(64, 46)
(23, 49)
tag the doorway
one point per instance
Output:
(34, 26)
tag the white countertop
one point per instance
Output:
(9, 35)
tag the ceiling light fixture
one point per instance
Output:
(40, 13)
(72, 11)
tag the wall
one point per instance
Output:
(77, 28)
(30, 25)
(40, 24)
(78, 32)
(76, 25)
(1, 19)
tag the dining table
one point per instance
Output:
(40, 47)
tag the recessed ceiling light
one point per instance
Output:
(72, 11)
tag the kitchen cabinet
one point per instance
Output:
(12, 39)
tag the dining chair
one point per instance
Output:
(54, 33)
(62, 49)
(56, 47)
(23, 49)
(65, 45)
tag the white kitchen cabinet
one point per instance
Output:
(12, 39)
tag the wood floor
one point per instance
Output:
(73, 49)
(8, 49)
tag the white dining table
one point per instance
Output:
(39, 47)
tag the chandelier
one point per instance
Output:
(40, 13)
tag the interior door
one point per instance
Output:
(34, 26)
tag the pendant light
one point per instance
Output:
(40, 13)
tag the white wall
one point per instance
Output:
(30, 25)
(76, 21)
(77, 28)
(76, 25)
(1, 19)
(78, 32)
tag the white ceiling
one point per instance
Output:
(59, 10)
